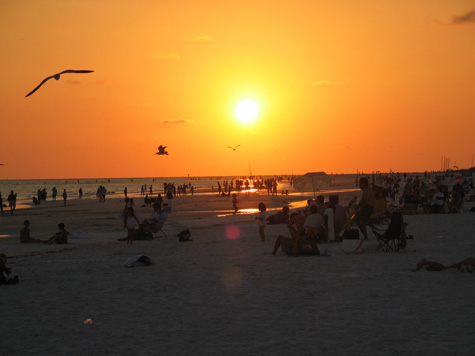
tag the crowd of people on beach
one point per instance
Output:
(380, 195)
(311, 226)
(247, 185)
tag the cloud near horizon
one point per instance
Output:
(178, 121)
(199, 37)
(468, 17)
(166, 56)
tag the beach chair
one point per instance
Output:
(157, 228)
(456, 203)
(394, 237)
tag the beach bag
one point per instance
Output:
(185, 235)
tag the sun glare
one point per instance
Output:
(247, 110)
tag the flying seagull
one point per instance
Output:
(56, 76)
(161, 150)
(233, 148)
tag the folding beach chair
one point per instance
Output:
(157, 228)
(394, 237)
(350, 238)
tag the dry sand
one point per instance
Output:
(222, 296)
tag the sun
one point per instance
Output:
(247, 110)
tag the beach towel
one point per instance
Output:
(138, 260)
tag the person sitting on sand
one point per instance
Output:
(281, 217)
(61, 237)
(299, 244)
(25, 234)
(315, 225)
(151, 222)
(436, 266)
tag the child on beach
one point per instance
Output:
(129, 223)
(235, 204)
(261, 220)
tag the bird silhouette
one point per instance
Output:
(161, 150)
(233, 148)
(56, 76)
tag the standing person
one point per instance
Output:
(12, 201)
(80, 193)
(129, 223)
(235, 204)
(261, 220)
(151, 190)
(169, 197)
(125, 192)
(366, 206)
(55, 192)
(65, 196)
(1, 203)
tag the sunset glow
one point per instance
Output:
(247, 110)
(373, 86)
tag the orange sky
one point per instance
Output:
(341, 85)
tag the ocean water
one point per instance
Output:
(27, 189)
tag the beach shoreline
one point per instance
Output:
(224, 293)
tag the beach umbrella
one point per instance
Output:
(312, 182)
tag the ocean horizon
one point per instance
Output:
(26, 189)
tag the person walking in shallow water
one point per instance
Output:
(235, 204)
(12, 202)
(65, 196)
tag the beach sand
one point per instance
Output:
(224, 293)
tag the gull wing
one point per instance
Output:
(64, 71)
(75, 71)
(44, 81)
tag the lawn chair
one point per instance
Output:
(157, 227)
(394, 237)
(456, 205)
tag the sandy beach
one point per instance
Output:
(224, 293)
